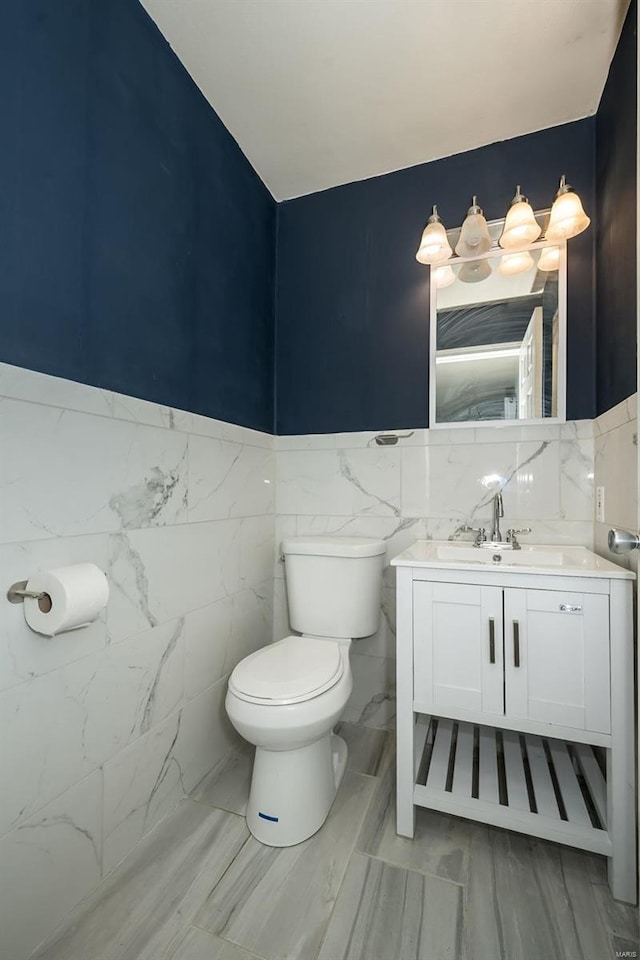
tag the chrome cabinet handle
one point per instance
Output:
(516, 643)
(492, 641)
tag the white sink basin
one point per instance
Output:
(541, 559)
(527, 556)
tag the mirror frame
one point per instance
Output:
(497, 251)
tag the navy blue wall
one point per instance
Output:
(139, 244)
(352, 302)
(616, 130)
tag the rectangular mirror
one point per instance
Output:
(498, 339)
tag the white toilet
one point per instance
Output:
(286, 697)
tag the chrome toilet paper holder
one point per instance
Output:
(17, 592)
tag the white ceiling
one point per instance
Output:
(323, 92)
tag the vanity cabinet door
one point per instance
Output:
(458, 648)
(557, 658)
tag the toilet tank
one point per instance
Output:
(334, 584)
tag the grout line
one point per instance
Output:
(225, 940)
(421, 873)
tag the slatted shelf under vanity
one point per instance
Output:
(537, 785)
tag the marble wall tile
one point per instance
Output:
(416, 477)
(245, 435)
(206, 736)
(252, 624)
(141, 784)
(34, 387)
(147, 412)
(135, 701)
(576, 479)
(47, 865)
(616, 469)
(344, 482)
(568, 532)
(23, 653)
(121, 475)
(577, 430)
(373, 700)
(306, 441)
(157, 575)
(44, 750)
(463, 480)
(63, 724)
(207, 634)
(617, 416)
(229, 479)
(616, 459)
(515, 432)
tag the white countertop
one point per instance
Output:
(560, 561)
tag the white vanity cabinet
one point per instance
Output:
(516, 653)
(515, 695)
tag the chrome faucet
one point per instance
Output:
(498, 514)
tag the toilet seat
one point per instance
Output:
(289, 671)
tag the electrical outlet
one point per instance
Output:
(600, 504)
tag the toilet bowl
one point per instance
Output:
(286, 697)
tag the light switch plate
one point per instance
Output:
(600, 504)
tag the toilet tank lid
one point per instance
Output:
(334, 546)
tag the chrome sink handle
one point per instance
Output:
(480, 531)
(512, 537)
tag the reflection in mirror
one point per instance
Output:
(499, 337)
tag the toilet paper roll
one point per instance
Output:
(77, 595)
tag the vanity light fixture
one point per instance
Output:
(444, 277)
(434, 246)
(513, 263)
(474, 270)
(549, 259)
(520, 225)
(568, 218)
(474, 235)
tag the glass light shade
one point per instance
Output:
(444, 277)
(549, 259)
(513, 263)
(474, 271)
(434, 245)
(520, 225)
(474, 236)
(568, 218)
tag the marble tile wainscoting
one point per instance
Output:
(105, 729)
(616, 469)
(427, 485)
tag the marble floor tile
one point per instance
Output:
(625, 948)
(200, 945)
(522, 904)
(386, 913)
(276, 901)
(371, 750)
(144, 905)
(440, 846)
(227, 786)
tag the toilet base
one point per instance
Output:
(292, 790)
